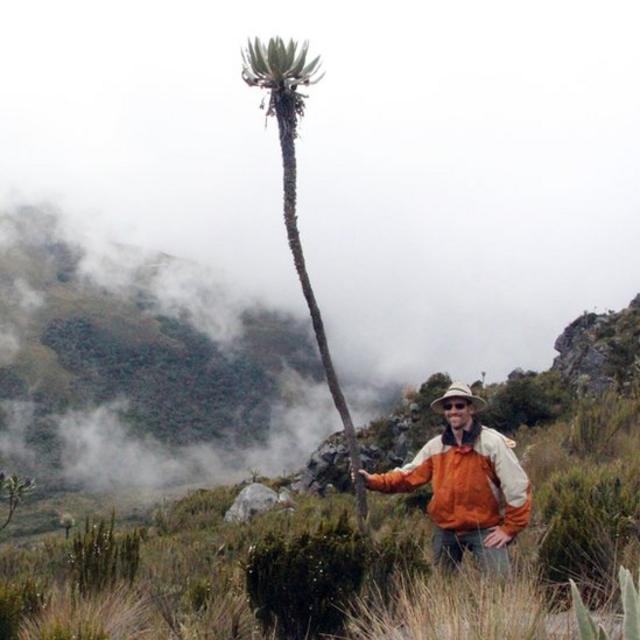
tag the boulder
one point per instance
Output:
(253, 499)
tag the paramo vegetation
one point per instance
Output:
(302, 571)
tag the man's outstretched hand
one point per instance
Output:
(497, 538)
(363, 473)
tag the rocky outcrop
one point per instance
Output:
(329, 465)
(600, 351)
(582, 360)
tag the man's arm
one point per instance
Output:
(516, 488)
(399, 481)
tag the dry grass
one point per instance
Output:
(463, 606)
(120, 614)
(226, 618)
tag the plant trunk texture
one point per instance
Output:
(285, 108)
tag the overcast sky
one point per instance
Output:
(468, 171)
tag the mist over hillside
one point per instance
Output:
(121, 367)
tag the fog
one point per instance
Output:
(98, 450)
(467, 172)
(100, 453)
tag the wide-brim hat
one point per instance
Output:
(459, 390)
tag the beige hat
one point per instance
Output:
(459, 390)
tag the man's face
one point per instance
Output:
(458, 412)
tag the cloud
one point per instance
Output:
(99, 449)
(195, 293)
(17, 417)
(9, 344)
(24, 297)
(100, 452)
(303, 418)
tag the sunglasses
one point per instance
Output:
(458, 405)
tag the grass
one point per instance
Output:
(465, 605)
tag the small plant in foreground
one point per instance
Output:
(587, 628)
(99, 559)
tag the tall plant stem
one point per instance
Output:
(285, 108)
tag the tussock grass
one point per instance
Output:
(118, 614)
(462, 606)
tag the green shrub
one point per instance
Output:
(198, 594)
(591, 515)
(98, 559)
(401, 551)
(17, 601)
(433, 388)
(301, 587)
(202, 509)
(599, 420)
(528, 398)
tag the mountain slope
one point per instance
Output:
(183, 362)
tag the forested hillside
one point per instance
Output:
(174, 367)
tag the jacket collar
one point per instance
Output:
(468, 437)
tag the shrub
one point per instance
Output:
(599, 420)
(203, 508)
(99, 559)
(300, 587)
(399, 553)
(17, 601)
(527, 398)
(591, 514)
(198, 594)
(433, 388)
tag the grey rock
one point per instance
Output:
(401, 447)
(253, 499)
(583, 356)
(395, 460)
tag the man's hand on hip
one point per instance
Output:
(497, 538)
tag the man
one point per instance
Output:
(481, 494)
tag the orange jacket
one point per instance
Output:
(476, 485)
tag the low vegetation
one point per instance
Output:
(296, 573)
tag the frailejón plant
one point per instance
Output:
(281, 69)
(14, 489)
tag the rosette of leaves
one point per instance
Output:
(587, 627)
(280, 66)
(14, 490)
